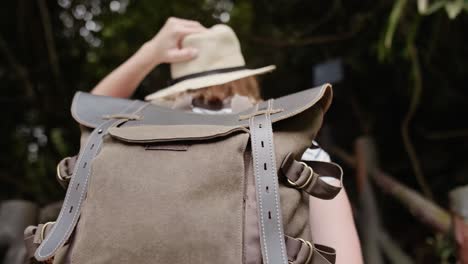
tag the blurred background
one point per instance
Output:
(397, 124)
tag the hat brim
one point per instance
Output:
(208, 80)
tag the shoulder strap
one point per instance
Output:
(77, 188)
(266, 184)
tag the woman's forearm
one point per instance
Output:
(123, 81)
(162, 48)
(333, 225)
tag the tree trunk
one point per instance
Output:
(459, 206)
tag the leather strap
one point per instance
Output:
(266, 184)
(65, 170)
(308, 176)
(298, 250)
(304, 252)
(77, 188)
(33, 237)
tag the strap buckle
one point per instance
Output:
(42, 235)
(311, 251)
(309, 177)
(43, 230)
(59, 174)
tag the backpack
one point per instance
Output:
(157, 185)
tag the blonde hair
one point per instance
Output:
(217, 93)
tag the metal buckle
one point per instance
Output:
(311, 251)
(43, 229)
(308, 179)
(59, 175)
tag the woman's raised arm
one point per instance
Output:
(332, 222)
(162, 48)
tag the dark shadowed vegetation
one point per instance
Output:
(404, 84)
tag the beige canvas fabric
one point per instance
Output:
(185, 206)
(186, 194)
(164, 203)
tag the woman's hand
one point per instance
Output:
(165, 47)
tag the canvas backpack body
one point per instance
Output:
(154, 185)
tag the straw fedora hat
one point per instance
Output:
(219, 61)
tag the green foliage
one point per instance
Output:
(444, 247)
(394, 18)
(452, 7)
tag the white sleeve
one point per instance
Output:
(316, 154)
(320, 155)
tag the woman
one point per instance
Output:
(229, 88)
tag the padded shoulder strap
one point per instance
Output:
(266, 185)
(89, 110)
(77, 189)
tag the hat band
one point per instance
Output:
(204, 73)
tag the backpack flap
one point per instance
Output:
(159, 134)
(92, 110)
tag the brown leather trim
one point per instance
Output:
(65, 170)
(306, 176)
(304, 252)
(297, 250)
(90, 110)
(75, 195)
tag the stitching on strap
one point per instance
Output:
(259, 201)
(275, 182)
(261, 112)
(105, 125)
(268, 111)
(122, 116)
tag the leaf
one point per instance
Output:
(424, 8)
(393, 20)
(59, 142)
(454, 8)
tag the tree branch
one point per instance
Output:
(459, 206)
(422, 208)
(414, 104)
(392, 250)
(447, 134)
(425, 210)
(20, 70)
(369, 218)
(50, 44)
